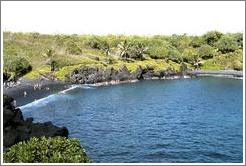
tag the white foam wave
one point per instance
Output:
(42, 101)
(52, 97)
(75, 87)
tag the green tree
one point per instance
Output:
(16, 65)
(94, 42)
(105, 46)
(180, 42)
(139, 51)
(227, 43)
(158, 49)
(206, 51)
(189, 54)
(239, 39)
(174, 55)
(212, 37)
(196, 41)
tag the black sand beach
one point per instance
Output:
(29, 90)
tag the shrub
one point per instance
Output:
(17, 65)
(232, 60)
(236, 59)
(138, 50)
(105, 46)
(237, 65)
(189, 54)
(206, 51)
(73, 48)
(212, 37)
(174, 55)
(227, 43)
(54, 65)
(46, 150)
(239, 38)
(158, 52)
(35, 35)
(196, 41)
(94, 43)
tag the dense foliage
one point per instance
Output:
(16, 65)
(211, 51)
(47, 150)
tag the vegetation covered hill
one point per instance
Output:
(33, 55)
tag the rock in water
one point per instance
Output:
(16, 129)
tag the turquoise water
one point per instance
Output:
(188, 120)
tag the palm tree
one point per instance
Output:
(124, 48)
(197, 62)
(52, 62)
(140, 50)
(105, 46)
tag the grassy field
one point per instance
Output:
(212, 51)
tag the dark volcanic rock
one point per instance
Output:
(123, 74)
(90, 75)
(138, 74)
(148, 73)
(6, 77)
(16, 129)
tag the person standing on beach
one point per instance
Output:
(25, 94)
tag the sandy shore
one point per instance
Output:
(27, 91)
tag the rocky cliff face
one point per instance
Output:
(90, 75)
(16, 129)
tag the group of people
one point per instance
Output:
(36, 87)
(39, 87)
(10, 84)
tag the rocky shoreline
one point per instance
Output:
(27, 91)
(92, 75)
(16, 129)
(99, 77)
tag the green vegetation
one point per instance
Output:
(16, 66)
(46, 150)
(34, 55)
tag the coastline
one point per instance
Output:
(220, 73)
(33, 92)
(48, 87)
(117, 82)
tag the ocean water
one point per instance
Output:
(160, 121)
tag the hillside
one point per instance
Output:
(34, 55)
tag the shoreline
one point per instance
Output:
(117, 82)
(49, 87)
(225, 73)
(27, 91)
(232, 74)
